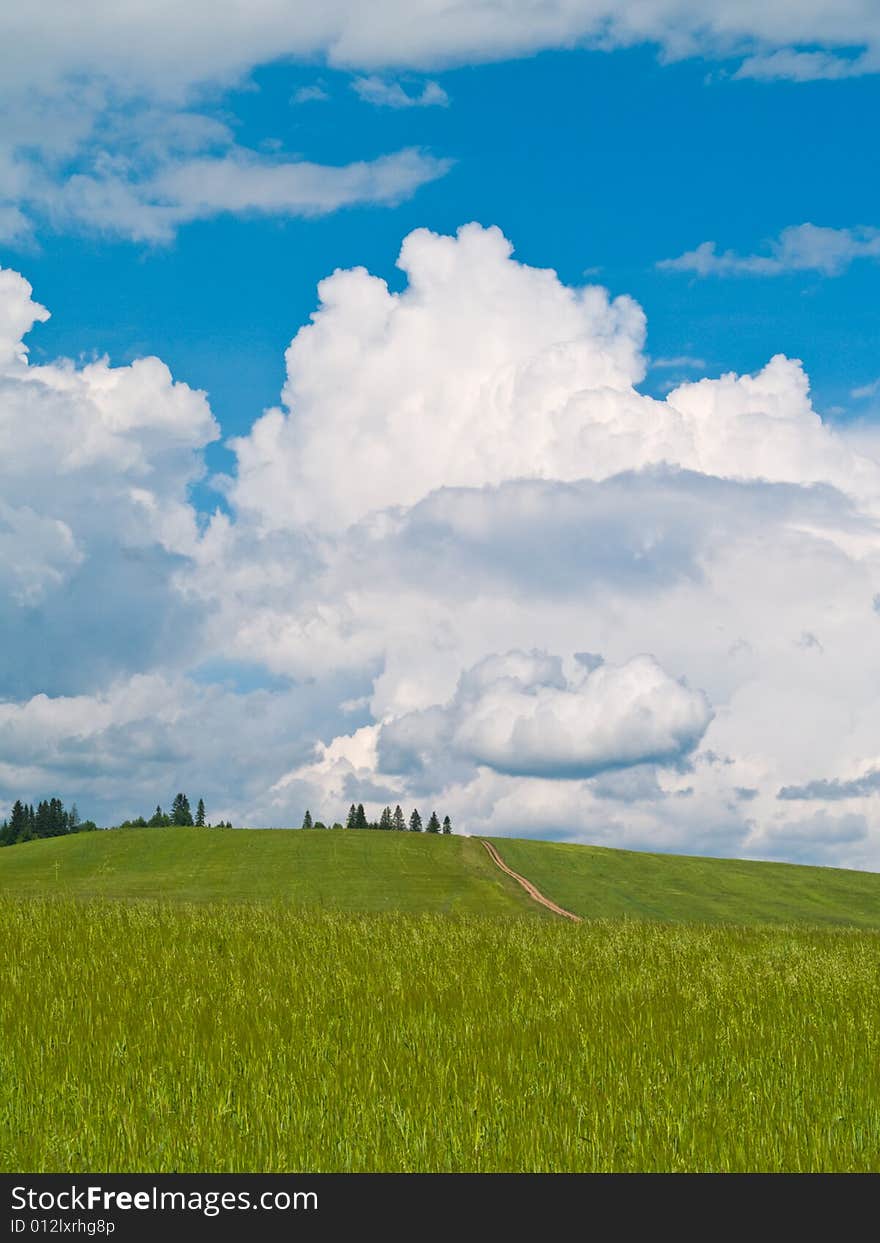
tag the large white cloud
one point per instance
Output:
(491, 480)
(519, 714)
(95, 466)
(483, 369)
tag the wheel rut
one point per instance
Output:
(531, 890)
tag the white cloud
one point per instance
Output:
(310, 94)
(864, 391)
(239, 181)
(518, 714)
(483, 369)
(75, 83)
(788, 64)
(799, 248)
(678, 362)
(466, 467)
(375, 90)
(166, 48)
(95, 464)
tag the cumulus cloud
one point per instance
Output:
(483, 369)
(95, 464)
(464, 468)
(518, 714)
(799, 248)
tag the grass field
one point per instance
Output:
(160, 1037)
(421, 873)
(336, 870)
(609, 884)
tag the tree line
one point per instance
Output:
(49, 818)
(389, 820)
(180, 815)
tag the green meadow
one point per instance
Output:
(596, 882)
(328, 869)
(423, 873)
(175, 1000)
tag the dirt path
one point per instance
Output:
(527, 885)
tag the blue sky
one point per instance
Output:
(551, 528)
(587, 161)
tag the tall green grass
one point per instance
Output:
(170, 1038)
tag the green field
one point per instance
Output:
(331, 869)
(421, 873)
(598, 883)
(184, 999)
(157, 1037)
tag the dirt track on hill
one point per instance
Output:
(530, 889)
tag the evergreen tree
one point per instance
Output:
(351, 822)
(447, 825)
(200, 814)
(73, 822)
(41, 825)
(6, 838)
(307, 820)
(397, 821)
(360, 820)
(385, 818)
(18, 822)
(433, 823)
(158, 818)
(180, 811)
(415, 822)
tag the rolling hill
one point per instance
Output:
(597, 882)
(363, 871)
(334, 869)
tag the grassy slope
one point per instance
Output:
(338, 870)
(601, 883)
(363, 871)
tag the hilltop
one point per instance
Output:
(357, 871)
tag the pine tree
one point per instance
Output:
(180, 810)
(42, 823)
(385, 818)
(360, 821)
(447, 825)
(415, 822)
(351, 822)
(73, 821)
(200, 814)
(433, 823)
(157, 820)
(307, 820)
(18, 821)
(397, 821)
